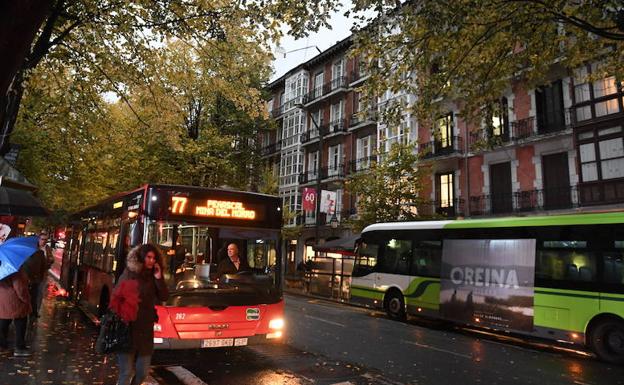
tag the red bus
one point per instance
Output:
(192, 226)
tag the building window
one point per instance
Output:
(336, 113)
(444, 190)
(338, 70)
(318, 84)
(312, 164)
(601, 153)
(594, 99)
(443, 131)
(335, 158)
(498, 126)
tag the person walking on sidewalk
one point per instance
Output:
(144, 265)
(35, 269)
(14, 307)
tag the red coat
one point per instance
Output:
(14, 296)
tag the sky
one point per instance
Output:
(323, 39)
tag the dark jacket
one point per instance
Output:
(36, 267)
(226, 266)
(151, 292)
(14, 297)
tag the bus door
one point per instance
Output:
(129, 235)
(393, 266)
(364, 271)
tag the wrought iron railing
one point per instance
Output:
(435, 148)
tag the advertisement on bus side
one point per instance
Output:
(488, 282)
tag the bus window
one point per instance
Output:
(366, 259)
(109, 252)
(613, 271)
(396, 257)
(427, 258)
(565, 261)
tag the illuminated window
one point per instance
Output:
(445, 191)
(443, 131)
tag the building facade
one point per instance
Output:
(553, 149)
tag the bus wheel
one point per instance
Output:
(395, 305)
(607, 341)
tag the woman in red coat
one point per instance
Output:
(14, 307)
(143, 264)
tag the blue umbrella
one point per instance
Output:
(14, 252)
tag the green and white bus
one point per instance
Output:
(559, 277)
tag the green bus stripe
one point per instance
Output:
(417, 292)
(550, 220)
(420, 289)
(574, 295)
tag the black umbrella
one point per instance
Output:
(20, 202)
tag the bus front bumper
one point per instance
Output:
(175, 343)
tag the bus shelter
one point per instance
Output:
(328, 274)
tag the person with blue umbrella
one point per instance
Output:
(14, 296)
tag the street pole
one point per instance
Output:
(319, 169)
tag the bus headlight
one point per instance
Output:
(277, 323)
(157, 327)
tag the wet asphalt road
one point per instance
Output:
(326, 344)
(419, 353)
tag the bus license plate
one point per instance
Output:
(217, 342)
(240, 342)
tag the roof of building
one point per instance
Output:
(321, 57)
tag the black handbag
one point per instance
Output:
(115, 335)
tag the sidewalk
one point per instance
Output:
(62, 342)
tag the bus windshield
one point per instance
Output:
(192, 252)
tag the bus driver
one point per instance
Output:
(233, 263)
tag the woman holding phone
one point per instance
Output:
(143, 264)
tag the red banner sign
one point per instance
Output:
(309, 199)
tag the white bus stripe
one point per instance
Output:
(438, 349)
(326, 321)
(185, 376)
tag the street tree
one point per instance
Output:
(113, 39)
(190, 116)
(390, 190)
(472, 50)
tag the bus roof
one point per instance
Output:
(548, 220)
(144, 188)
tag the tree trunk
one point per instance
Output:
(19, 23)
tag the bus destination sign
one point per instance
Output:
(212, 208)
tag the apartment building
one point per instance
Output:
(553, 149)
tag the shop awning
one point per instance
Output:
(20, 203)
(344, 245)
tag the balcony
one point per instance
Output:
(480, 140)
(271, 148)
(357, 77)
(317, 94)
(362, 164)
(601, 193)
(336, 126)
(532, 126)
(309, 136)
(363, 118)
(525, 201)
(308, 177)
(437, 148)
(332, 172)
(277, 112)
(446, 209)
